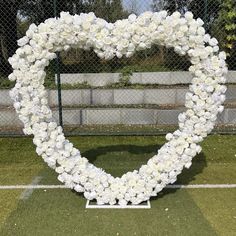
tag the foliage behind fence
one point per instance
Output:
(16, 16)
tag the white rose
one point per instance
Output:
(216, 48)
(222, 55)
(107, 41)
(124, 43)
(169, 136)
(90, 17)
(163, 14)
(77, 21)
(188, 15)
(142, 21)
(86, 25)
(32, 29)
(21, 42)
(176, 15)
(132, 18)
(207, 38)
(183, 28)
(109, 26)
(201, 31)
(100, 22)
(66, 17)
(119, 54)
(200, 22)
(213, 42)
(136, 39)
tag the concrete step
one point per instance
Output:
(112, 116)
(161, 78)
(159, 96)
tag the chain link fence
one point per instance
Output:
(139, 95)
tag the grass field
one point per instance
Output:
(174, 212)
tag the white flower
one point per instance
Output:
(132, 18)
(86, 25)
(213, 42)
(107, 41)
(163, 14)
(216, 48)
(188, 15)
(136, 39)
(32, 29)
(66, 17)
(90, 17)
(169, 136)
(201, 31)
(222, 55)
(200, 22)
(176, 15)
(21, 42)
(77, 21)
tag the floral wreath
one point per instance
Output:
(204, 100)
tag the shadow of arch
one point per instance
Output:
(187, 175)
(92, 154)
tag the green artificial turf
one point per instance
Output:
(173, 212)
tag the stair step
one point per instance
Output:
(113, 116)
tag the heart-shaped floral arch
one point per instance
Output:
(204, 100)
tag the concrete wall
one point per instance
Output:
(133, 116)
(111, 116)
(164, 78)
(76, 97)
(76, 116)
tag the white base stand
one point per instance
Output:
(106, 206)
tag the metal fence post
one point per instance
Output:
(205, 13)
(58, 75)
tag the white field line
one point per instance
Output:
(27, 192)
(201, 186)
(2, 187)
(204, 186)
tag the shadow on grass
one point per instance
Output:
(92, 154)
(187, 175)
